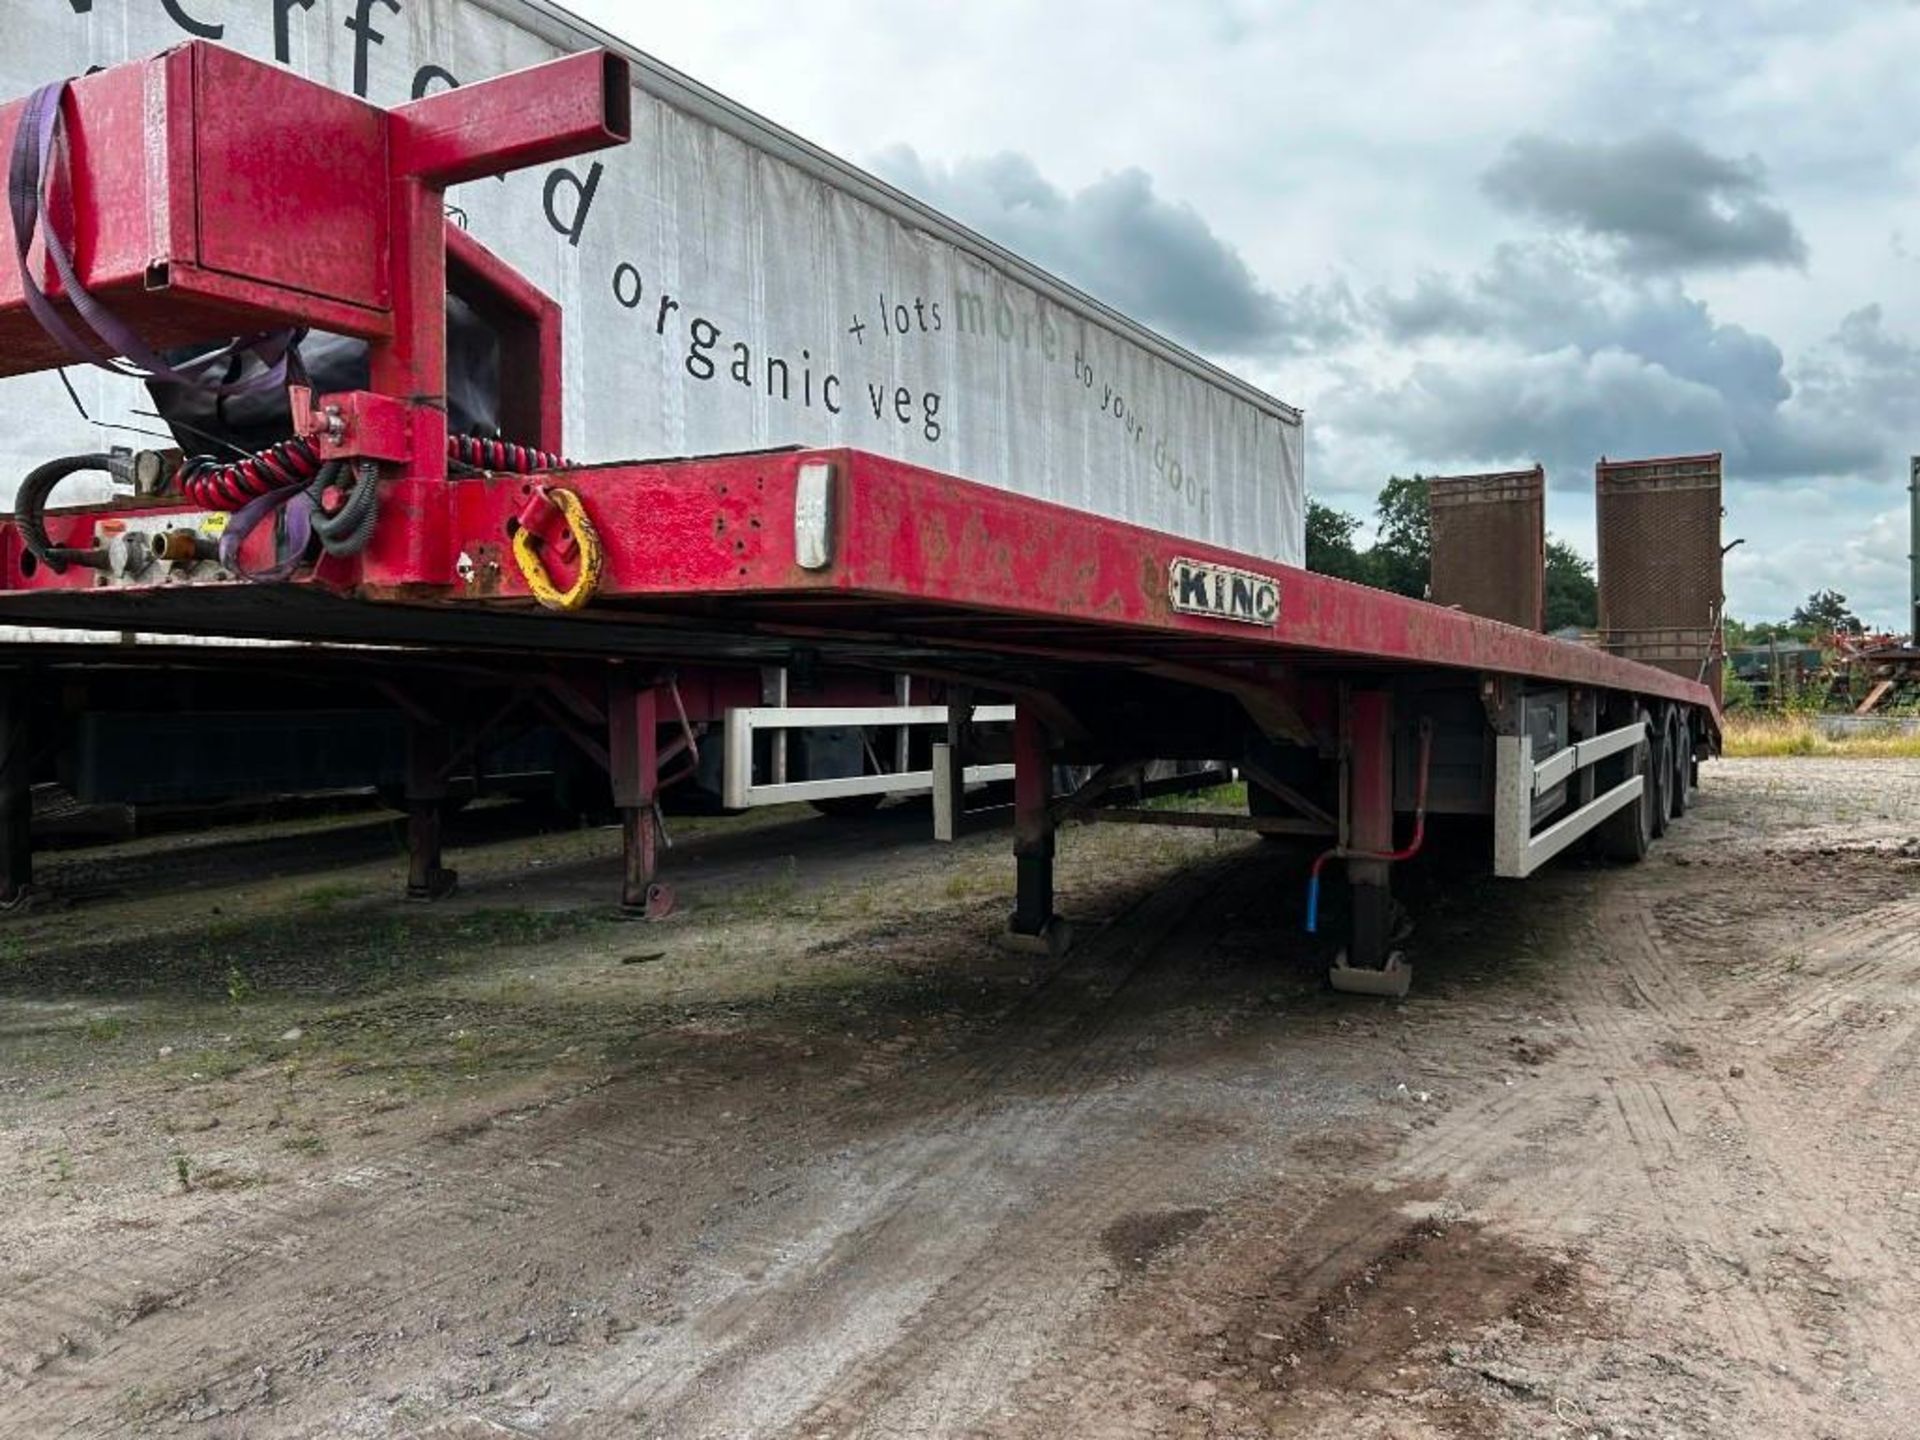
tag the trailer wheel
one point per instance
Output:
(1660, 770)
(1627, 835)
(1680, 750)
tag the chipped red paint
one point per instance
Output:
(916, 541)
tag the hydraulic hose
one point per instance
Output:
(1405, 852)
(347, 530)
(30, 503)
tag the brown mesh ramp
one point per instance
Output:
(1489, 544)
(1660, 559)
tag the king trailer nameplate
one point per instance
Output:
(1195, 587)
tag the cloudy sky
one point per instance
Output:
(1462, 236)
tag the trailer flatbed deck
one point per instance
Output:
(912, 564)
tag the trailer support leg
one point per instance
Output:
(16, 795)
(1369, 966)
(633, 750)
(429, 752)
(1034, 927)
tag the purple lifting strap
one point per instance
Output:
(37, 144)
(299, 508)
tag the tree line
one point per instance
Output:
(1401, 556)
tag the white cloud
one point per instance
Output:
(1320, 169)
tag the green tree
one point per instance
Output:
(1402, 556)
(1330, 545)
(1785, 631)
(1825, 612)
(1572, 596)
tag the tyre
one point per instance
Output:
(848, 807)
(1627, 834)
(1660, 770)
(1680, 747)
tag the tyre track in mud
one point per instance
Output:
(1048, 1059)
(1649, 1140)
(1700, 1133)
(1646, 1132)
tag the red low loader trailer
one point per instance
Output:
(1346, 708)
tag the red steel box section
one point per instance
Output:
(213, 195)
(264, 197)
(288, 178)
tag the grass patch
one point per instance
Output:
(103, 1028)
(1231, 796)
(316, 951)
(325, 897)
(779, 897)
(1772, 736)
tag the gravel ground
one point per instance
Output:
(815, 1158)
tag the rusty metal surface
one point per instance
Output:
(1659, 535)
(1489, 544)
(1660, 562)
(922, 561)
(1688, 652)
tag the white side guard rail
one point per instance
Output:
(1517, 849)
(739, 789)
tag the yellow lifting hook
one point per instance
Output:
(527, 546)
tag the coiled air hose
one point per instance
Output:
(478, 454)
(230, 485)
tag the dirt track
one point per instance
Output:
(1640, 1157)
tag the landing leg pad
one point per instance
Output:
(1052, 940)
(442, 883)
(1393, 979)
(28, 899)
(657, 905)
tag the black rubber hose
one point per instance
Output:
(348, 531)
(30, 503)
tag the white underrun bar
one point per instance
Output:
(739, 790)
(1518, 850)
